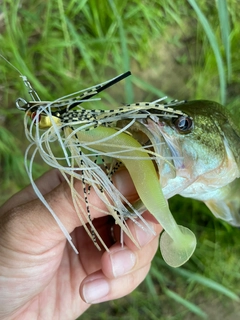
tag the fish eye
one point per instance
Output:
(183, 124)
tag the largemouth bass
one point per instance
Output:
(205, 151)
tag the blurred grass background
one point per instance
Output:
(183, 49)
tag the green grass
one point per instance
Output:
(185, 49)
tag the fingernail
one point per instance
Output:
(144, 236)
(122, 261)
(95, 290)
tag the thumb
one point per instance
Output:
(31, 226)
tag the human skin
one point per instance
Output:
(41, 277)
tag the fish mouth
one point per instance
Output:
(171, 157)
(165, 152)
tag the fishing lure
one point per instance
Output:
(88, 137)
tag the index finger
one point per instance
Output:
(46, 183)
(23, 217)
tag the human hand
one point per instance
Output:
(41, 277)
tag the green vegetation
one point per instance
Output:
(183, 49)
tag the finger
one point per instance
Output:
(123, 263)
(123, 182)
(142, 229)
(121, 260)
(89, 255)
(46, 183)
(32, 221)
(97, 288)
(51, 179)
